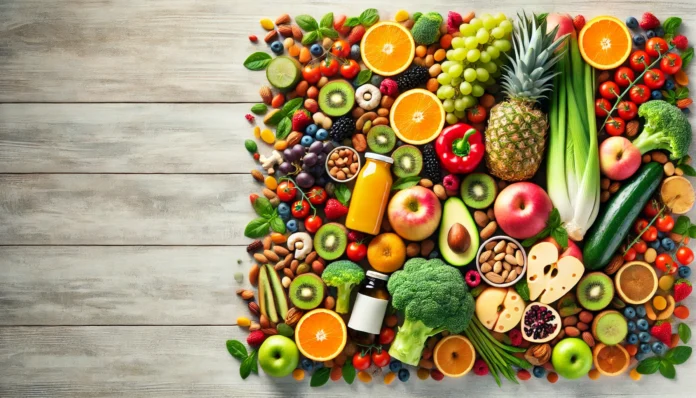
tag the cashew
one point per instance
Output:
(368, 96)
(301, 242)
(364, 118)
(268, 163)
(667, 312)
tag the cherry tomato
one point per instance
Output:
(340, 48)
(602, 107)
(671, 63)
(360, 361)
(627, 110)
(386, 335)
(317, 195)
(615, 126)
(641, 247)
(654, 78)
(286, 191)
(624, 76)
(356, 251)
(630, 254)
(300, 209)
(640, 225)
(311, 73)
(476, 114)
(329, 67)
(656, 46)
(685, 256)
(650, 235)
(651, 209)
(639, 60)
(664, 263)
(639, 93)
(609, 90)
(664, 223)
(381, 358)
(312, 224)
(350, 69)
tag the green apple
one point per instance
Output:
(278, 356)
(572, 358)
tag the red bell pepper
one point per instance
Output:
(460, 148)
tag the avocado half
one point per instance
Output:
(455, 211)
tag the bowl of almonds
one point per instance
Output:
(501, 261)
(343, 164)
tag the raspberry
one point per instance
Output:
(451, 182)
(454, 19)
(255, 338)
(389, 87)
(249, 117)
(681, 42)
(515, 337)
(578, 22)
(480, 368)
(649, 21)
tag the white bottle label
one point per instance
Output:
(368, 314)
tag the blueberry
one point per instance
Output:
(283, 208)
(667, 243)
(355, 52)
(292, 225)
(629, 312)
(321, 135)
(638, 40)
(318, 365)
(642, 324)
(434, 254)
(284, 217)
(631, 326)
(684, 272)
(686, 111)
(641, 356)
(661, 234)
(277, 47)
(645, 347)
(644, 337)
(640, 311)
(376, 80)
(404, 374)
(669, 84)
(632, 22)
(307, 364)
(539, 372)
(306, 141)
(632, 338)
(650, 33)
(654, 244)
(311, 129)
(316, 50)
(656, 95)
(395, 365)
(659, 32)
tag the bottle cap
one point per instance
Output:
(376, 156)
(377, 275)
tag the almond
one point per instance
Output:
(572, 331)
(271, 256)
(247, 295)
(587, 338)
(254, 308)
(481, 218)
(285, 30)
(283, 19)
(659, 157)
(258, 176)
(281, 251)
(269, 331)
(458, 238)
(297, 32)
(412, 249)
(254, 274)
(311, 257)
(264, 322)
(570, 320)
(266, 96)
(294, 138)
(613, 267)
(267, 242)
(380, 121)
(260, 258)
(440, 191)
(271, 36)
(288, 272)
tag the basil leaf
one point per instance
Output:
(326, 21)
(275, 117)
(307, 22)
(263, 207)
(522, 288)
(277, 225)
(405, 182)
(671, 25)
(348, 372)
(248, 365)
(688, 170)
(259, 109)
(648, 366)
(692, 232)
(554, 218)
(682, 93)
(684, 332)
(256, 228)
(284, 128)
(329, 32)
(342, 193)
(682, 225)
(257, 61)
(667, 369)
(352, 21)
(237, 349)
(363, 77)
(686, 56)
(561, 236)
(291, 106)
(544, 233)
(320, 377)
(369, 17)
(310, 38)
(678, 355)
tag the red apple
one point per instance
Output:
(618, 158)
(414, 213)
(521, 209)
(564, 23)
(572, 250)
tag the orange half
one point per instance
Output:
(611, 360)
(417, 116)
(387, 48)
(454, 356)
(321, 335)
(605, 42)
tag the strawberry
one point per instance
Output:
(355, 236)
(454, 19)
(649, 21)
(338, 25)
(662, 331)
(682, 289)
(334, 209)
(300, 120)
(578, 22)
(356, 34)
(255, 338)
(680, 42)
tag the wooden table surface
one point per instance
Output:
(123, 198)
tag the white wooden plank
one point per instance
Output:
(125, 138)
(124, 209)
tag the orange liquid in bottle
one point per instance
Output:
(370, 195)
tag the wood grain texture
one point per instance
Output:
(125, 138)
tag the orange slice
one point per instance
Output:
(611, 360)
(387, 48)
(321, 335)
(605, 42)
(454, 356)
(417, 116)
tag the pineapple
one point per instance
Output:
(516, 133)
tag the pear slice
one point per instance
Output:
(549, 277)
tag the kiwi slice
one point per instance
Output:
(330, 241)
(306, 291)
(336, 98)
(479, 190)
(595, 291)
(610, 327)
(283, 73)
(381, 139)
(408, 161)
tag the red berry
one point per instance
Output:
(356, 34)
(579, 22)
(515, 337)
(681, 42)
(480, 367)
(436, 375)
(255, 338)
(253, 38)
(249, 117)
(649, 21)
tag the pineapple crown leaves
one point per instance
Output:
(529, 74)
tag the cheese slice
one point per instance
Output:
(499, 309)
(548, 277)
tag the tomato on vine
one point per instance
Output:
(476, 114)
(317, 195)
(671, 63)
(286, 191)
(340, 48)
(656, 46)
(639, 60)
(654, 78)
(311, 73)
(356, 251)
(615, 126)
(609, 90)
(329, 67)
(641, 247)
(639, 93)
(664, 223)
(685, 256)
(664, 263)
(361, 361)
(650, 235)
(627, 110)
(350, 69)
(313, 223)
(386, 335)
(651, 209)
(300, 209)
(381, 358)
(640, 225)
(602, 107)
(630, 254)
(624, 76)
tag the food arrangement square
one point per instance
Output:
(468, 195)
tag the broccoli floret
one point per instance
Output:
(433, 297)
(426, 30)
(343, 275)
(665, 127)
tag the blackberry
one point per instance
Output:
(342, 128)
(413, 77)
(431, 164)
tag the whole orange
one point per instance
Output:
(386, 252)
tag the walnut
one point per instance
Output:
(293, 316)
(538, 354)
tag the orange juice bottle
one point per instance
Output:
(370, 195)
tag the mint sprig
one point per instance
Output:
(665, 364)
(367, 18)
(554, 228)
(316, 30)
(268, 218)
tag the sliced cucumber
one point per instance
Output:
(283, 73)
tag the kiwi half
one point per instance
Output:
(610, 327)
(381, 139)
(479, 190)
(595, 291)
(408, 161)
(306, 291)
(330, 241)
(336, 98)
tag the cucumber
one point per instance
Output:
(613, 225)
(283, 73)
